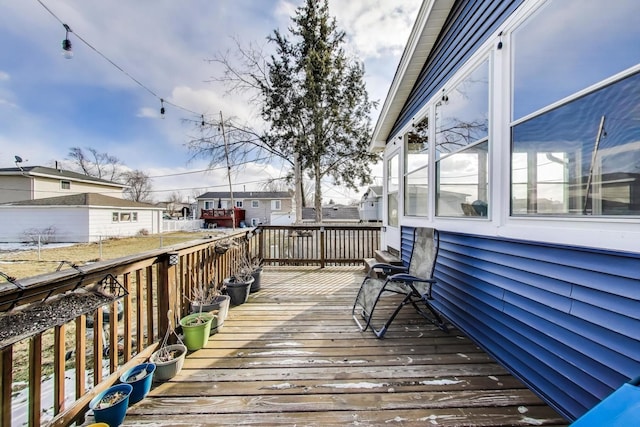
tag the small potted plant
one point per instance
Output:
(209, 299)
(140, 378)
(238, 285)
(110, 406)
(256, 266)
(169, 358)
(196, 328)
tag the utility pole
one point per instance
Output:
(226, 154)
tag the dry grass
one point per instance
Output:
(29, 263)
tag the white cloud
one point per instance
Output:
(4, 76)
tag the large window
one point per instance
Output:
(569, 45)
(462, 126)
(582, 158)
(393, 177)
(416, 195)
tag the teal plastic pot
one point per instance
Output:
(196, 329)
(114, 414)
(140, 377)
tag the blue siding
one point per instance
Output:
(564, 320)
(469, 25)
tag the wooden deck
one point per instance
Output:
(292, 355)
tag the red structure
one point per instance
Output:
(222, 217)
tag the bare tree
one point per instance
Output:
(96, 164)
(139, 186)
(311, 97)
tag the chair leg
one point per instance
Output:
(434, 317)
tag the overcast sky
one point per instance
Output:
(49, 104)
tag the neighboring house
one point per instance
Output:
(512, 127)
(260, 207)
(86, 217)
(332, 213)
(371, 204)
(37, 182)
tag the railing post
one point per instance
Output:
(261, 239)
(6, 379)
(167, 272)
(322, 246)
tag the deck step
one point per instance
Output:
(382, 257)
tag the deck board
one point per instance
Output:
(292, 355)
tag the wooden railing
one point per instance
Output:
(317, 244)
(150, 285)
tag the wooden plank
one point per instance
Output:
(128, 320)
(341, 402)
(6, 381)
(504, 416)
(81, 354)
(335, 386)
(58, 369)
(35, 379)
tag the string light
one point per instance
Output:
(66, 43)
(500, 40)
(68, 53)
(162, 108)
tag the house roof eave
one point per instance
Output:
(425, 32)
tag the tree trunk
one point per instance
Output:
(317, 198)
(297, 178)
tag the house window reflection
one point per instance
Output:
(462, 148)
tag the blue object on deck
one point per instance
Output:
(620, 408)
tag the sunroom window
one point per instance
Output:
(416, 176)
(582, 158)
(393, 177)
(462, 127)
(569, 45)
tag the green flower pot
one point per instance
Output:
(196, 328)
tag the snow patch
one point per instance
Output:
(284, 344)
(463, 356)
(283, 386)
(355, 385)
(283, 353)
(532, 421)
(440, 382)
(493, 378)
(396, 420)
(522, 409)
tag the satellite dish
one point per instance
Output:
(18, 159)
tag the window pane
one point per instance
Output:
(569, 45)
(417, 146)
(581, 158)
(115, 216)
(392, 206)
(393, 173)
(416, 195)
(125, 217)
(463, 182)
(462, 117)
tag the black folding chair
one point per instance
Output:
(414, 282)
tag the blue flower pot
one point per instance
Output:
(113, 414)
(140, 377)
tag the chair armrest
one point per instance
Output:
(389, 268)
(409, 278)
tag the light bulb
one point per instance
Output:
(66, 49)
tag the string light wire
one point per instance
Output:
(119, 68)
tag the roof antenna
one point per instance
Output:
(19, 160)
